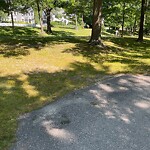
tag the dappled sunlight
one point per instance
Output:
(43, 99)
(116, 67)
(119, 55)
(30, 89)
(23, 77)
(110, 109)
(143, 104)
(110, 115)
(110, 96)
(25, 86)
(60, 134)
(7, 92)
(36, 70)
(56, 52)
(50, 59)
(124, 82)
(7, 84)
(111, 44)
(125, 118)
(107, 88)
(20, 44)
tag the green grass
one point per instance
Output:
(37, 69)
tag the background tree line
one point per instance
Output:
(128, 16)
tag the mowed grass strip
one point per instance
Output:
(36, 69)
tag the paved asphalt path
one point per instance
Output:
(113, 114)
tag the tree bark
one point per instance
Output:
(76, 22)
(48, 16)
(134, 26)
(39, 14)
(10, 10)
(12, 19)
(123, 18)
(147, 17)
(96, 23)
(140, 38)
(82, 20)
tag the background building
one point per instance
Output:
(27, 17)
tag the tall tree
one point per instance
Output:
(37, 5)
(123, 17)
(39, 9)
(81, 10)
(147, 18)
(72, 7)
(96, 23)
(8, 7)
(140, 38)
(48, 5)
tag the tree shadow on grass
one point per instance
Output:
(118, 50)
(18, 31)
(19, 44)
(30, 90)
(130, 44)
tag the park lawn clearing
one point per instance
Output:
(36, 69)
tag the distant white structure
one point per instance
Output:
(117, 33)
(55, 19)
(22, 17)
(29, 18)
(64, 20)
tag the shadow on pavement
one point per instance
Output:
(113, 114)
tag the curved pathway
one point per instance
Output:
(111, 115)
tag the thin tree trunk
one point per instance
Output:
(11, 13)
(131, 30)
(12, 19)
(123, 19)
(76, 22)
(83, 20)
(140, 38)
(134, 26)
(146, 17)
(96, 23)
(36, 17)
(39, 14)
(48, 15)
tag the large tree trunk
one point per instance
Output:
(48, 16)
(96, 23)
(39, 14)
(123, 18)
(140, 38)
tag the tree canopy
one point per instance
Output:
(123, 15)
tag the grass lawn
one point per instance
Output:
(37, 69)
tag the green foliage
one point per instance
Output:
(113, 14)
(2, 15)
(82, 8)
(11, 5)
